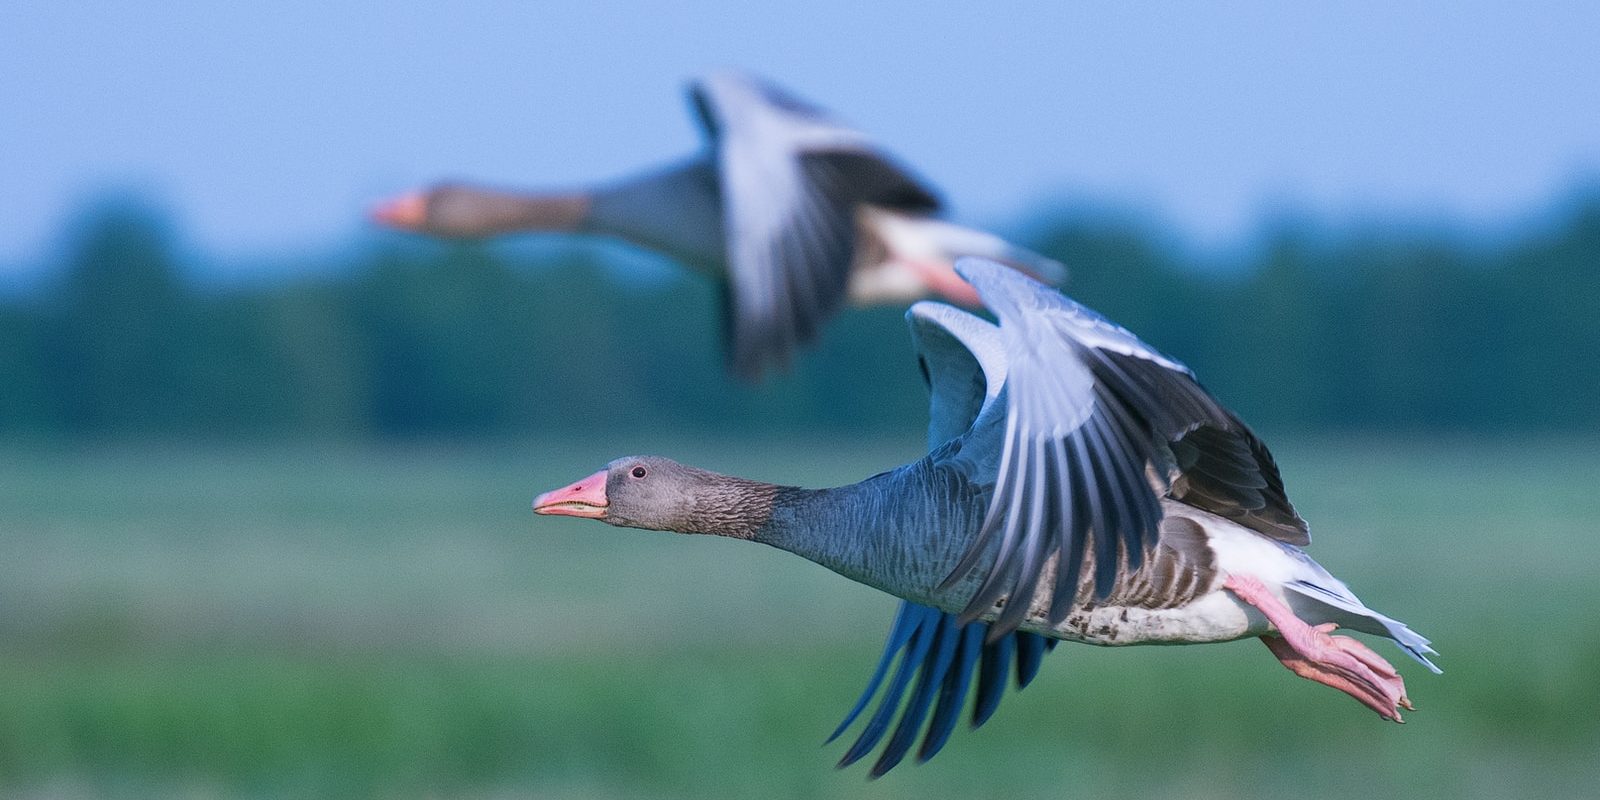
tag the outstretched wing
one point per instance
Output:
(1096, 422)
(791, 179)
(963, 362)
(947, 659)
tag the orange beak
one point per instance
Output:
(586, 498)
(407, 212)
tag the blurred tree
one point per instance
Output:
(25, 402)
(1374, 328)
(1277, 319)
(117, 355)
(1548, 318)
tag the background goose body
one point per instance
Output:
(793, 210)
(1079, 486)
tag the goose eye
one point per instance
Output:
(638, 472)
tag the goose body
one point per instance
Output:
(904, 531)
(793, 211)
(1079, 486)
(906, 548)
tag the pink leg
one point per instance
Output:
(1312, 653)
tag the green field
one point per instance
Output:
(293, 621)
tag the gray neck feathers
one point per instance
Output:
(901, 531)
(469, 211)
(731, 507)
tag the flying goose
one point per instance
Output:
(1079, 486)
(791, 209)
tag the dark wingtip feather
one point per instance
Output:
(1030, 655)
(916, 650)
(906, 622)
(954, 693)
(947, 659)
(944, 632)
(992, 670)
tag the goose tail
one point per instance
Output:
(1331, 599)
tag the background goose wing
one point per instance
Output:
(1091, 413)
(791, 179)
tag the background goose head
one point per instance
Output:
(460, 211)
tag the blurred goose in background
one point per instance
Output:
(794, 210)
(1079, 486)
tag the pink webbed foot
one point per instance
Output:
(1315, 654)
(1346, 665)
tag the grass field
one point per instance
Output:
(286, 621)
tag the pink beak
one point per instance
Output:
(586, 498)
(408, 211)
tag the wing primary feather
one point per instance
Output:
(1106, 532)
(1110, 522)
(1125, 430)
(947, 659)
(1146, 507)
(1030, 654)
(1086, 511)
(1117, 468)
(992, 672)
(916, 651)
(945, 638)
(954, 692)
(906, 621)
(1039, 539)
(1117, 380)
(835, 241)
(1231, 472)
(991, 524)
(1073, 505)
(811, 238)
(1001, 576)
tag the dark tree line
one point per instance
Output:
(1387, 330)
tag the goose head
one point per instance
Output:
(659, 494)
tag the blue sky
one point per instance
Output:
(267, 128)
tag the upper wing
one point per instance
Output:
(1091, 412)
(963, 363)
(946, 657)
(1222, 467)
(792, 178)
